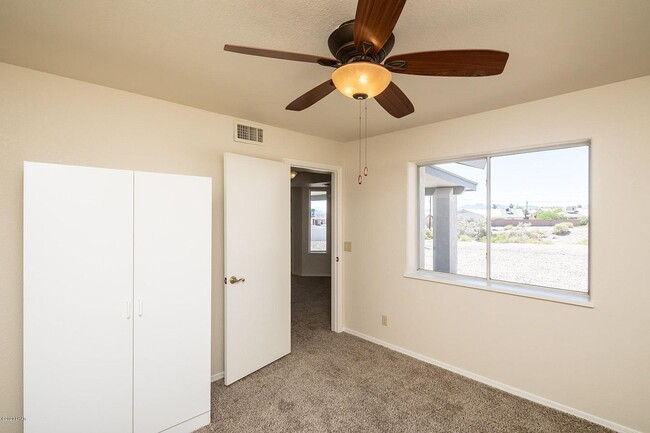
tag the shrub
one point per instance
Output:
(464, 238)
(472, 228)
(521, 234)
(562, 229)
(550, 214)
(583, 221)
(508, 227)
(428, 234)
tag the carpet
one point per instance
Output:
(340, 383)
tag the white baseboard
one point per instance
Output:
(216, 377)
(493, 383)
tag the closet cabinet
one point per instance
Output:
(116, 300)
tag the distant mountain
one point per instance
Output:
(531, 207)
(474, 206)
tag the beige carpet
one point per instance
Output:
(340, 383)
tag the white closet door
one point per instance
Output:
(78, 288)
(172, 259)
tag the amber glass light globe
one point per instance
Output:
(361, 79)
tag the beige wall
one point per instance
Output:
(594, 360)
(46, 118)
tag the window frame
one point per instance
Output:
(566, 296)
(309, 250)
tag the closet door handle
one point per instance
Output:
(128, 309)
(140, 307)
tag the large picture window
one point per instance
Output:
(519, 218)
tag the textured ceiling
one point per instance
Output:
(173, 50)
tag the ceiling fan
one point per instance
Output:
(362, 44)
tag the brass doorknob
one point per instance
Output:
(234, 280)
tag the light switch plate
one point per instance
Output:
(347, 246)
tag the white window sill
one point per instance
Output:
(564, 297)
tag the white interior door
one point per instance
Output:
(257, 242)
(78, 290)
(172, 291)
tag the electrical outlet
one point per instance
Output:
(347, 246)
(384, 320)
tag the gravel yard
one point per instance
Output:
(562, 264)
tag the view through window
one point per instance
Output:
(537, 206)
(317, 221)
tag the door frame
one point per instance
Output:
(337, 235)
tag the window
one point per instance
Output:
(317, 221)
(519, 218)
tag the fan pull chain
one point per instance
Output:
(360, 178)
(365, 135)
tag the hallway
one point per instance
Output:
(310, 306)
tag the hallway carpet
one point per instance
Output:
(339, 383)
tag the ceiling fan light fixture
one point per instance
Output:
(361, 80)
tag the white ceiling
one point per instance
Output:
(173, 50)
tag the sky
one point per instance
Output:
(319, 205)
(548, 178)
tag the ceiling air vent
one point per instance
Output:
(248, 134)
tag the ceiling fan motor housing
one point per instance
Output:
(341, 45)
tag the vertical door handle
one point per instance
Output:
(140, 308)
(127, 310)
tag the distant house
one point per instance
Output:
(505, 213)
(508, 213)
(575, 211)
(472, 214)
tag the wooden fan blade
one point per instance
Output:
(375, 21)
(395, 101)
(284, 55)
(312, 97)
(453, 63)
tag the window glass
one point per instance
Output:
(318, 221)
(453, 217)
(521, 218)
(539, 219)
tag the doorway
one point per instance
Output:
(257, 286)
(315, 244)
(311, 252)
